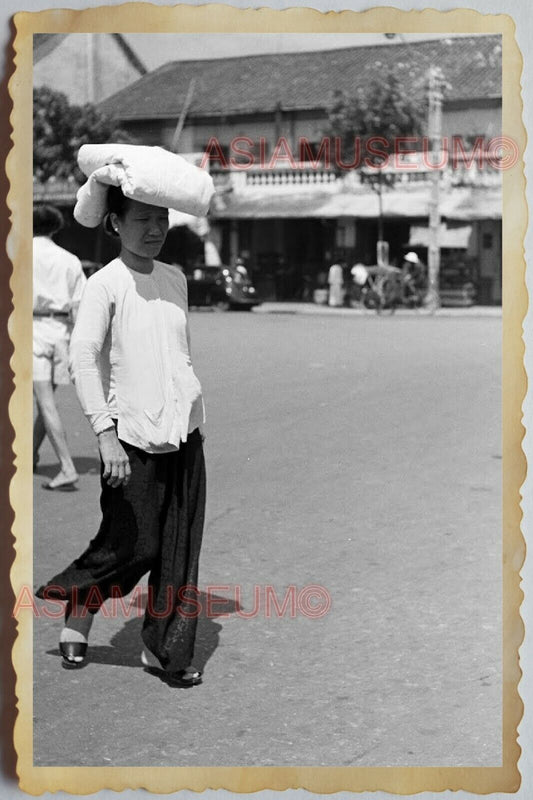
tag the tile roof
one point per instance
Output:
(304, 81)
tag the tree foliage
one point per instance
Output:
(60, 129)
(369, 123)
(386, 108)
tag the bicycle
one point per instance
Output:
(390, 287)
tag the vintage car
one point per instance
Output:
(221, 287)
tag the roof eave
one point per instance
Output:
(171, 115)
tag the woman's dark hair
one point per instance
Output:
(117, 202)
(46, 220)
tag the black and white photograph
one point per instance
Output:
(268, 485)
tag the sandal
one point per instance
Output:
(183, 677)
(71, 651)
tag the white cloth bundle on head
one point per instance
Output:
(147, 174)
(198, 225)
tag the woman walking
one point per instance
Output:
(130, 360)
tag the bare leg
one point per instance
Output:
(44, 395)
(39, 432)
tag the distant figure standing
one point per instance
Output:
(415, 268)
(335, 281)
(58, 281)
(359, 275)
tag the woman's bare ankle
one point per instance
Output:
(79, 620)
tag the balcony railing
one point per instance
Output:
(301, 175)
(304, 175)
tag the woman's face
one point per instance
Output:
(142, 228)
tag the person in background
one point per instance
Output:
(336, 284)
(241, 273)
(58, 282)
(359, 275)
(415, 269)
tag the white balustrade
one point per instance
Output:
(304, 175)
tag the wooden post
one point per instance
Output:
(183, 115)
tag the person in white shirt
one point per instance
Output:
(130, 360)
(58, 282)
(336, 281)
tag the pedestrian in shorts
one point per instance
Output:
(58, 282)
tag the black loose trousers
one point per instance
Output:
(153, 525)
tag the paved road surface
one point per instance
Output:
(359, 454)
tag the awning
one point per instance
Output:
(462, 204)
(457, 236)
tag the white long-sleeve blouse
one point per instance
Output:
(130, 356)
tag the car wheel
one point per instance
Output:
(222, 305)
(372, 300)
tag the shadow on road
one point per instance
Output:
(124, 649)
(84, 466)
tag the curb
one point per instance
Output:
(318, 310)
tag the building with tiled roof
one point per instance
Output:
(291, 218)
(262, 84)
(295, 218)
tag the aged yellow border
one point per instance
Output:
(221, 18)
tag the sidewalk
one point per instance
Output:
(313, 308)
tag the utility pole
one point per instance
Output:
(432, 300)
(436, 82)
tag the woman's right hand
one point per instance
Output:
(117, 468)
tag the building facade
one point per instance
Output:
(86, 67)
(259, 124)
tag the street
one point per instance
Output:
(360, 455)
